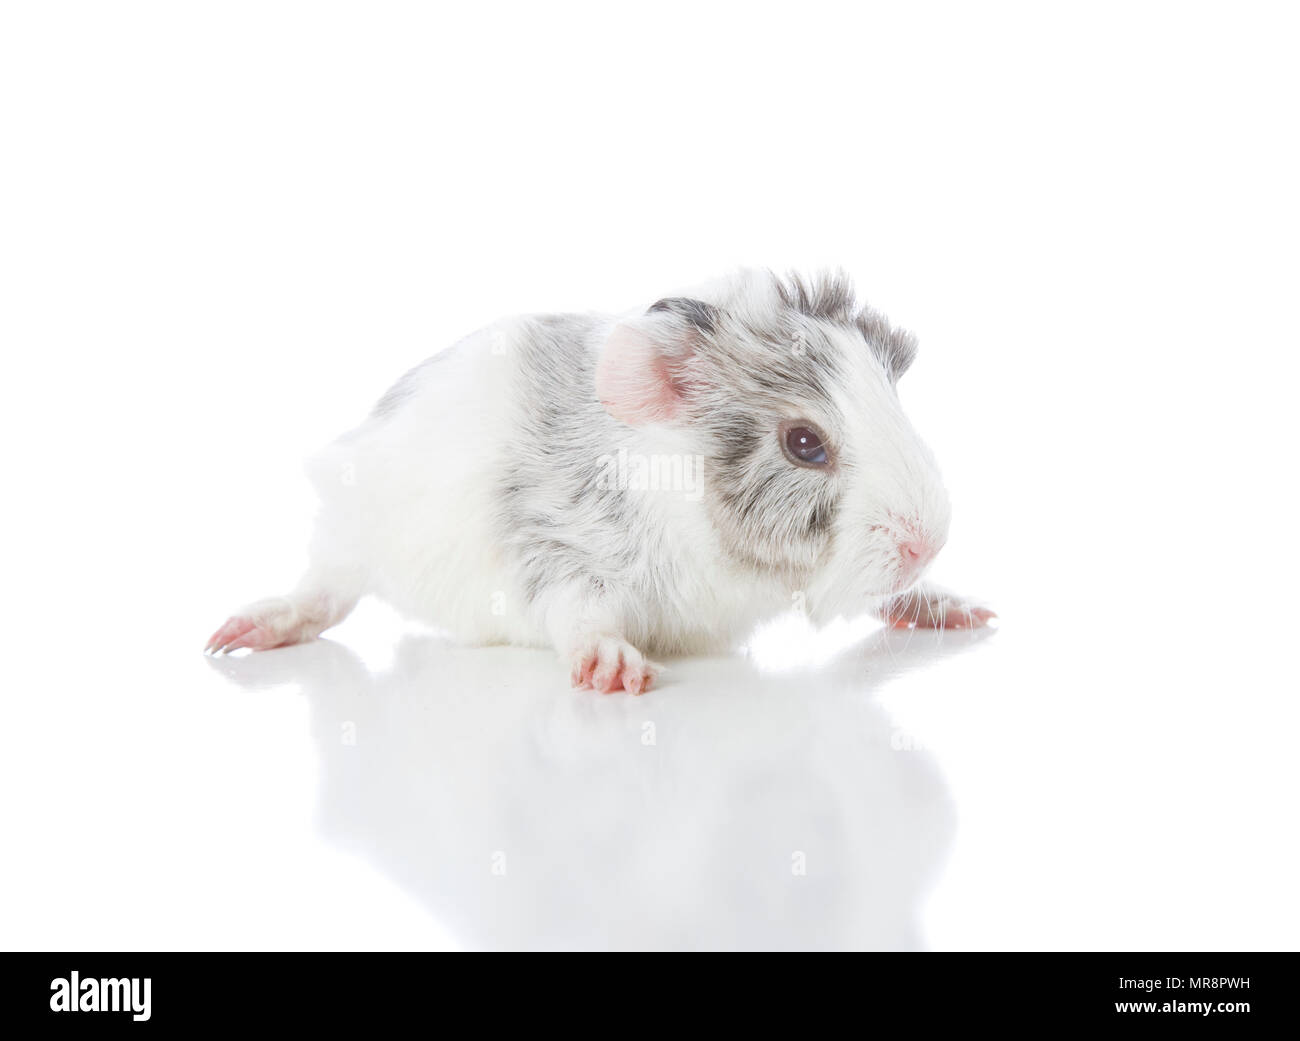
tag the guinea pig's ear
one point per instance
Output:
(639, 372)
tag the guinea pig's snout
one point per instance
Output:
(917, 552)
(916, 548)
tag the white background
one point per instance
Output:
(226, 227)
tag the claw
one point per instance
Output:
(238, 633)
(610, 664)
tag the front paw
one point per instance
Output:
(935, 609)
(609, 663)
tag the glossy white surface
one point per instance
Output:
(224, 234)
(951, 791)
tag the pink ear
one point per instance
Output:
(633, 381)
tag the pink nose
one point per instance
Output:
(916, 552)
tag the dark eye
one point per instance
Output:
(804, 445)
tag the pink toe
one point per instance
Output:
(583, 668)
(234, 629)
(239, 633)
(254, 639)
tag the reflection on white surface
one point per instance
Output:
(728, 809)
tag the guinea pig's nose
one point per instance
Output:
(917, 552)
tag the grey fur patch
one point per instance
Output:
(769, 513)
(777, 361)
(554, 509)
(699, 314)
(895, 347)
(829, 297)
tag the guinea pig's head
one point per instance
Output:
(787, 391)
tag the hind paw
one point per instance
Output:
(276, 622)
(244, 632)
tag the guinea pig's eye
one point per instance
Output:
(803, 445)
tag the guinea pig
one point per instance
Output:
(617, 486)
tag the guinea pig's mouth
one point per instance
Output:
(892, 588)
(901, 586)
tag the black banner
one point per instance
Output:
(162, 992)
